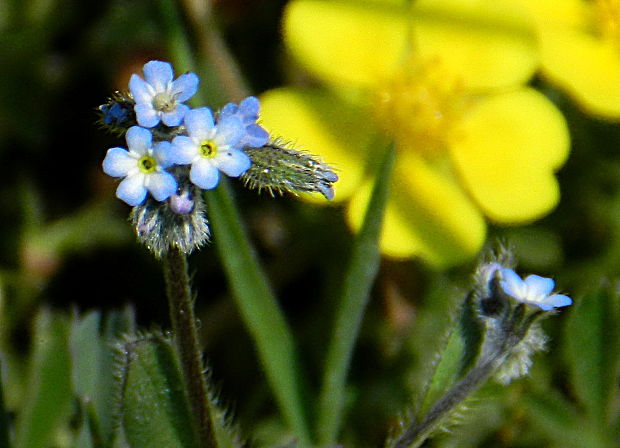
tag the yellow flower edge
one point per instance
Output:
(346, 43)
(509, 148)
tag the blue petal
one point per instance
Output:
(229, 132)
(255, 137)
(511, 283)
(558, 300)
(163, 153)
(139, 140)
(185, 86)
(204, 174)
(199, 123)
(228, 110)
(183, 150)
(146, 115)
(248, 109)
(118, 162)
(162, 185)
(233, 162)
(132, 190)
(158, 74)
(539, 286)
(141, 91)
(175, 117)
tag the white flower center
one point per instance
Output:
(164, 102)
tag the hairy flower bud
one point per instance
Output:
(178, 222)
(278, 169)
(117, 114)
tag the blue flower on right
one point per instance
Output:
(247, 111)
(534, 290)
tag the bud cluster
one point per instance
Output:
(174, 153)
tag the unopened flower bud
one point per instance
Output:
(278, 169)
(180, 222)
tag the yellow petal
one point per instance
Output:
(346, 43)
(506, 152)
(587, 68)
(427, 215)
(487, 43)
(322, 124)
(559, 13)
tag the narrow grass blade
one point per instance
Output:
(358, 282)
(259, 309)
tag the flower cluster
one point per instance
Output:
(208, 147)
(174, 152)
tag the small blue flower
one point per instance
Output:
(247, 111)
(158, 97)
(534, 290)
(210, 148)
(143, 168)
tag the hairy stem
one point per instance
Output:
(515, 327)
(186, 338)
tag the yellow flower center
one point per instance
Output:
(147, 164)
(208, 149)
(164, 102)
(420, 105)
(607, 13)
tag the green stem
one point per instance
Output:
(255, 300)
(515, 327)
(186, 338)
(359, 279)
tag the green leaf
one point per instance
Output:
(592, 349)
(47, 401)
(456, 357)
(93, 376)
(358, 282)
(153, 408)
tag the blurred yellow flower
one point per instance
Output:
(443, 79)
(580, 50)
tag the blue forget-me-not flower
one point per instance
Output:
(210, 148)
(142, 166)
(247, 111)
(534, 290)
(158, 97)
